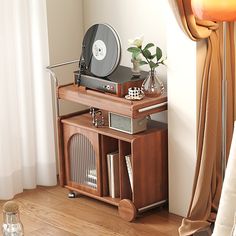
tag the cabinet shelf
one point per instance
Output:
(112, 103)
(85, 121)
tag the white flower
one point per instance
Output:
(136, 42)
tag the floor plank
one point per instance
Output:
(50, 231)
(48, 211)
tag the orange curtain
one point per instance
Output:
(208, 174)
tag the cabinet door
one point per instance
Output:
(82, 159)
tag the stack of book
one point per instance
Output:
(113, 174)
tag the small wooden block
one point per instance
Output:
(127, 210)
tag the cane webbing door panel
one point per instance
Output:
(82, 159)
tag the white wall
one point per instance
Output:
(65, 30)
(131, 19)
(182, 110)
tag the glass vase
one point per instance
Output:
(12, 225)
(152, 86)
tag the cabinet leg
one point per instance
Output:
(127, 210)
(73, 194)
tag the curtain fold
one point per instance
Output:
(227, 206)
(27, 148)
(208, 178)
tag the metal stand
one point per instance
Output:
(224, 101)
(55, 80)
(56, 102)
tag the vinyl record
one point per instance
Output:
(101, 50)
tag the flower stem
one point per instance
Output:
(148, 61)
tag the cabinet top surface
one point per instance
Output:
(111, 103)
(85, 121)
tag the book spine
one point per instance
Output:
(109, 173)
(130, 170)
(112, 178)
(113, 174)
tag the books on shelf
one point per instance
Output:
(113, 174)
(129, 169)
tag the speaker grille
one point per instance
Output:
(82, 161)
(121, 123)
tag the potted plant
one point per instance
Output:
(152, 85)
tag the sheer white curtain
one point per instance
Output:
(227, 207)
(27, 145)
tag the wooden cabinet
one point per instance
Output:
(84, 149)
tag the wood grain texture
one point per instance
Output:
(85, 121)
(127, 210)
(125, 187)
(150, 168)
(89, 193)
(110, 103)
(48, 211)
(148, 149)
(149, 158)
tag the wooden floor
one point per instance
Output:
(48, 211)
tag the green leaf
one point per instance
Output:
(147, 54)
(153, 56)
(143, 63)
(152, 64)
(135, 55)
(158, 53)
(134, 50)
(149, 45)
(163, 62)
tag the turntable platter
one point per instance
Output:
(101, 50)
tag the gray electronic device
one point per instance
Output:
(117, 83)
(127, 124)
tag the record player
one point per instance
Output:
(99, 67)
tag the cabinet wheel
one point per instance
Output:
(72, 195)
(127, 210)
